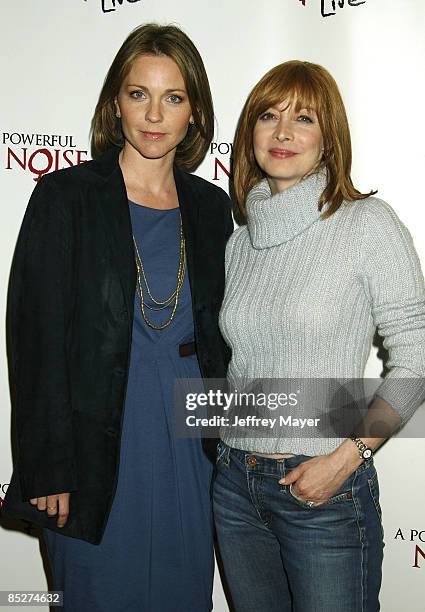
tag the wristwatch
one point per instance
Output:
(364, 451)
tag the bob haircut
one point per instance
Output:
(154, 39)
(308, 86)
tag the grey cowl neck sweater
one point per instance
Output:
(304, 296)
(272, 220)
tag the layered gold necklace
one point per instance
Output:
(143, 285)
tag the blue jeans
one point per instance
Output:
(280, 555)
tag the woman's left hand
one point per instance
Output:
(319, 478)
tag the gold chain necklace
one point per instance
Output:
(161, 304)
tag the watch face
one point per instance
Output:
(367, 453)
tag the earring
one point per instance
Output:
(191, 121)
(118, 115)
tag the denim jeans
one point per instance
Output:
(280, 555)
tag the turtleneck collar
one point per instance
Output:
(272, 220)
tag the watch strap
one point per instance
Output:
(364, 451)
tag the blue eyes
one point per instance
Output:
(175, 99)
(301, 118)
(136, 94)
(140, 95)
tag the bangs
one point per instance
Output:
(296, 86)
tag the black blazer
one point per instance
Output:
(69, 323)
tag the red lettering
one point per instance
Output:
(79, 160)
(49, 164)
(42, 161)
(418, 551)
(66, 158)
(11, 153)
(57, 151)
(218, 164)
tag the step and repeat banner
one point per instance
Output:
(54, 57)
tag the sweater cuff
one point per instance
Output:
(404, 391)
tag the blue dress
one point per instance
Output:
(156, 554)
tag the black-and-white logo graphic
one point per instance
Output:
(109, 6)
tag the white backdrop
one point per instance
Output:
(54, 55)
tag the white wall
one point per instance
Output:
(54, 55)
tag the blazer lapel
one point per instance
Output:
(113, 205)
(189, 202)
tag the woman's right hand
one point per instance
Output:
(52, 503)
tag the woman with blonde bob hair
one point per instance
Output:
(123, 260)
(314, 268)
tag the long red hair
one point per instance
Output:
(310, 86)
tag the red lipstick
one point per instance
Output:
(281, 153)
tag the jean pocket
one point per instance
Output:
(341, 496)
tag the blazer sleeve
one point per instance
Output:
(37, 320)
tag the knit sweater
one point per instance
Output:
(304, 296)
